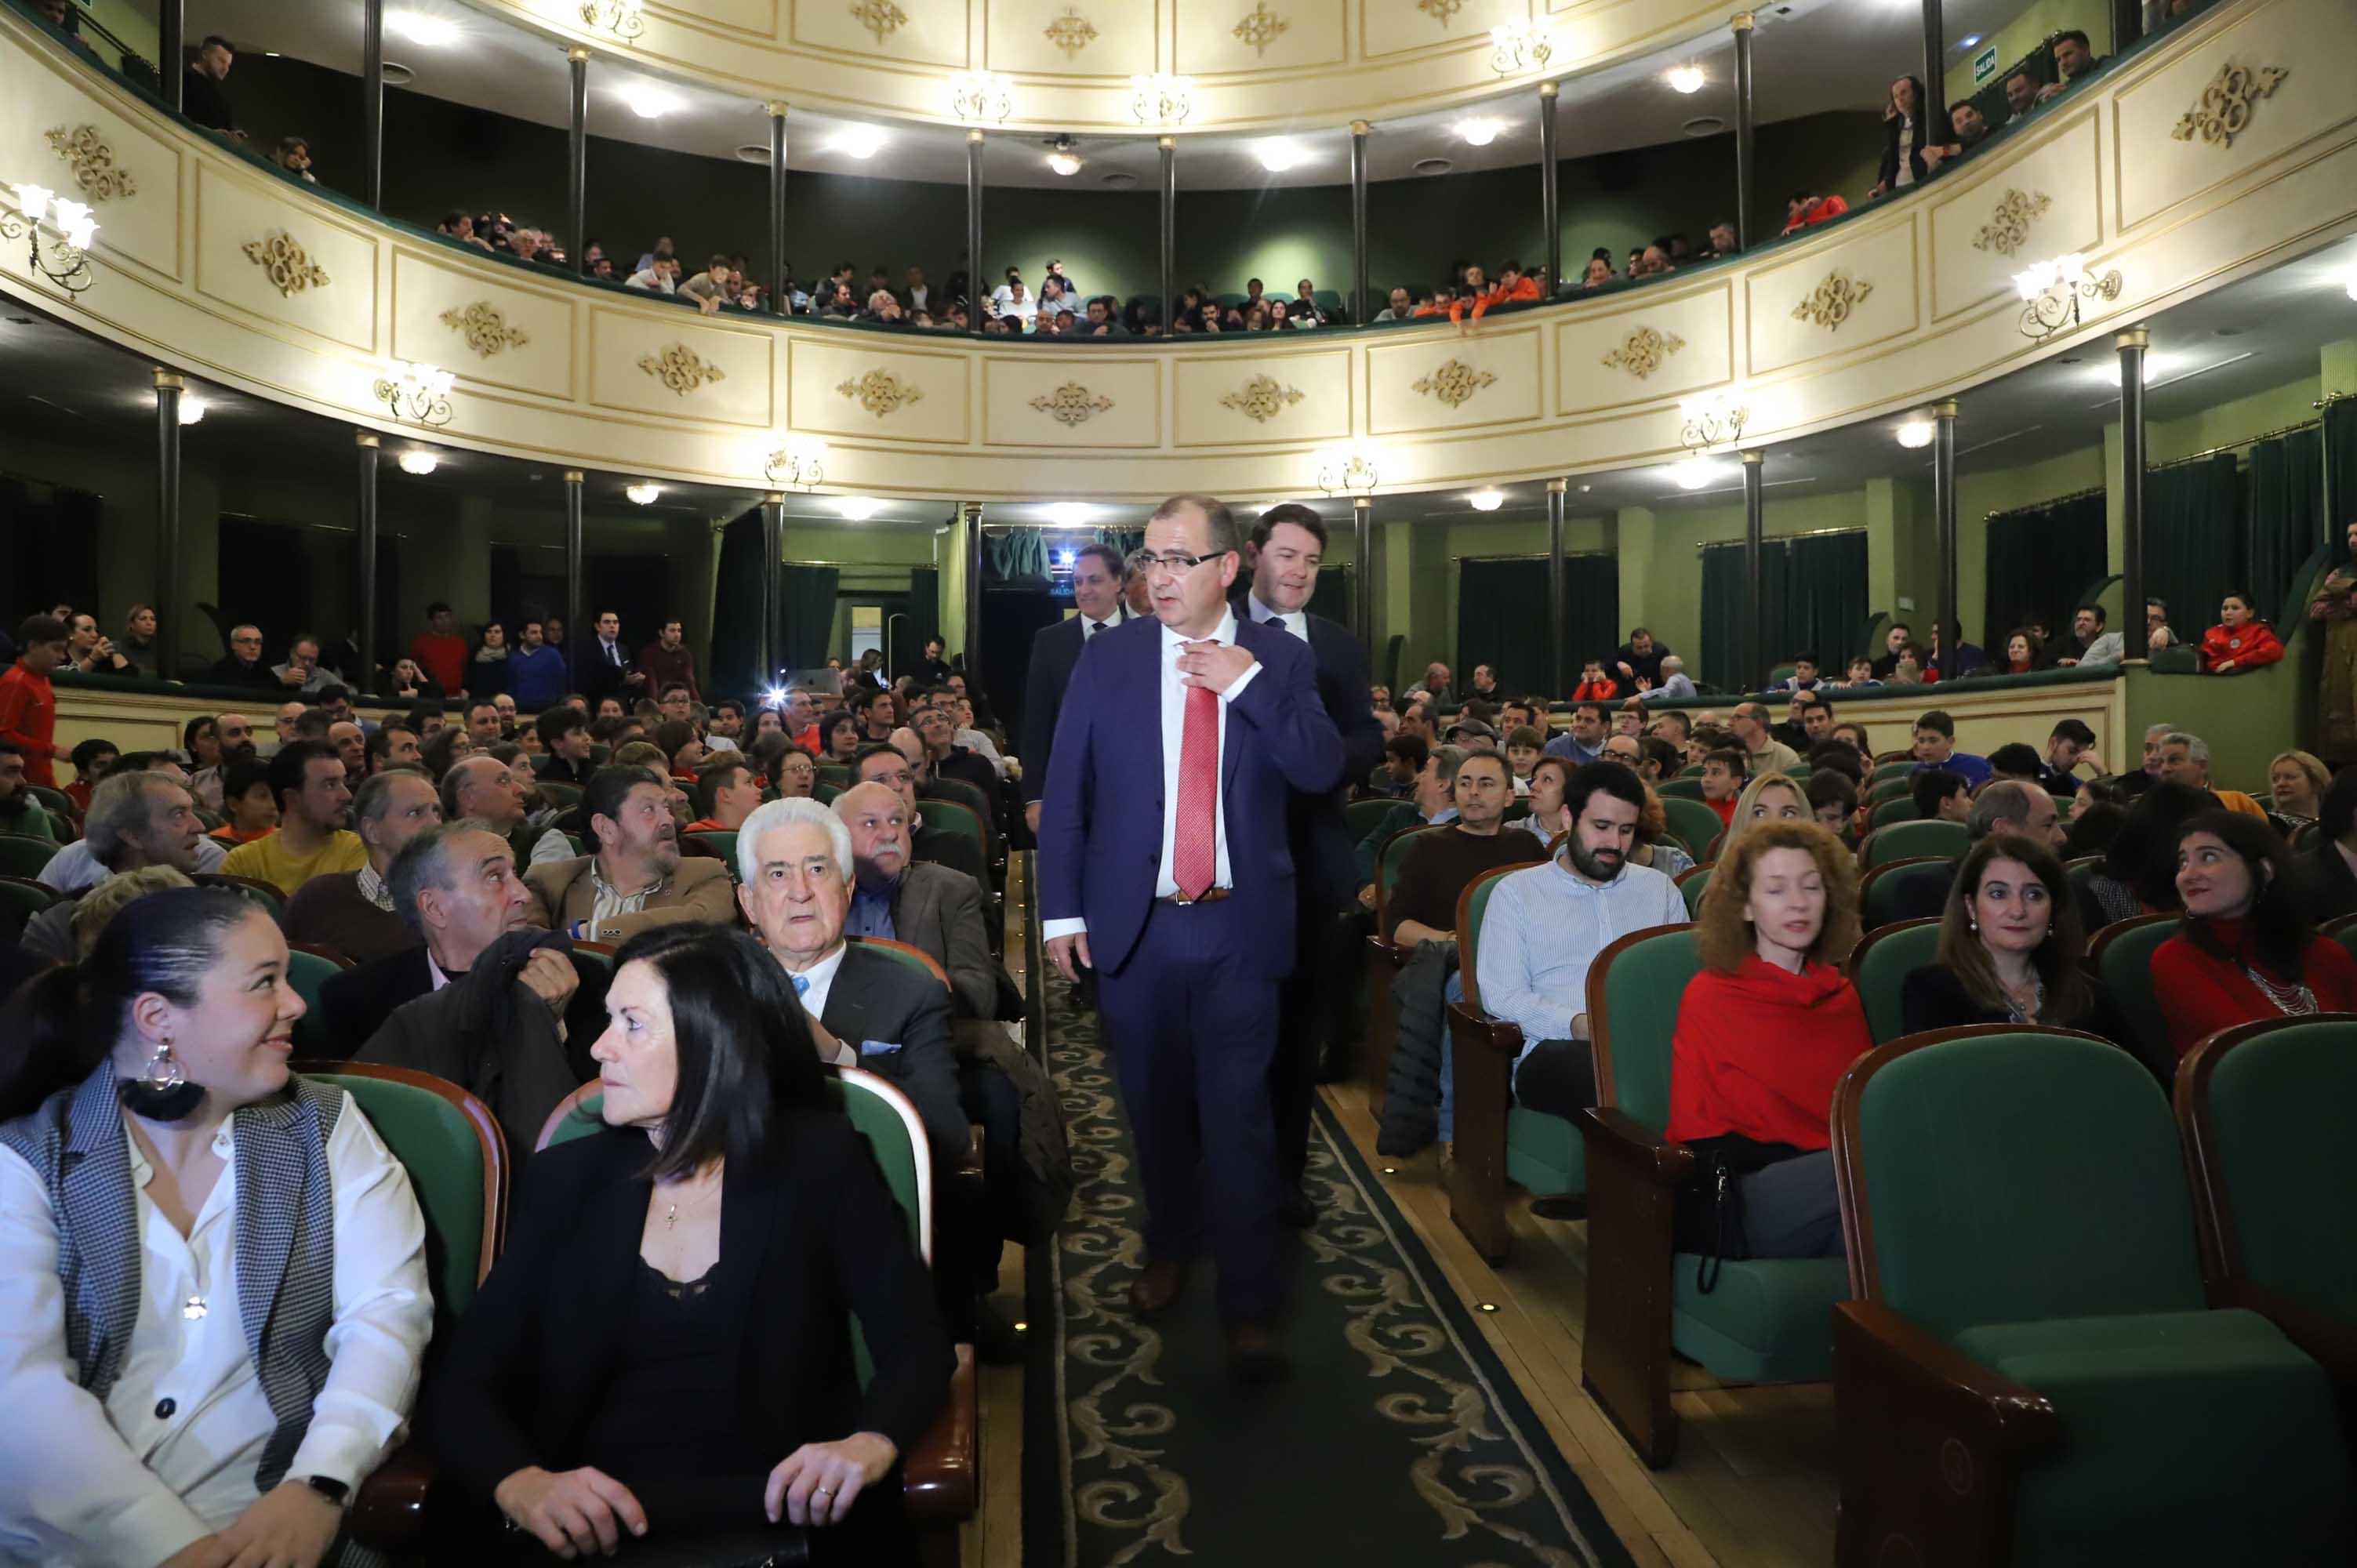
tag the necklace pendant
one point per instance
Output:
(193, 1308)
(671, 1217)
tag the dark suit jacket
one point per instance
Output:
(354, 1006)
(255, 677)
(957, 850)
(1054, 651)
(939, 911)
(1932, 998)
(2321, 878)
(806, 1240)
(1099, 840)
(882, 998)
(1321, 837)
(596, 680)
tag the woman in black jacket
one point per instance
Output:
(2010, 950)
(664, 1349)
(1909, 132)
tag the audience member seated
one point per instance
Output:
(1514, 287)
(1657, 848)
(889, 767)
(1525, 747)
(118, 1205)
(2240, 640)
(928, 906)
(1550, 776)
(21, 815)
(2024, 653)
(407, 681)
(2020, 95)
(2091, 645)
(2010, 950)
(1942, 795)
(1544, 926)
(726, 792)
(483, 789)
(2246, 950)
(635, 878)
(1438, 866)
(2138, 875)
(947, 761)
(1765, 753)
(636, 1368)
(1595, 686)
(1968, 130)
(90, 651)
(1764, 1033)
(2326, 871)
(2159, 634)
(353, 912)
(565, 745)
(1638, 661)
(1935, 746)
(1583, 743)
(249, 810)
(306, 778)
(2075, 59)
(1432, 800)
(2185, 759)
(1833, 804)
(2295, 785)
(2092, 829)
(1722, 778)
(138, 818)
(1805, 208)
(1769, 798)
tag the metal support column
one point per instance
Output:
(367, 442)
(577, 167)
(1946, 613)
(977, 281)
(372, 100)
(1559, 602)
(1170, 271)
(781, 291)
(1361, 311)
(172, 72)
(1550, 196)
(1755, 597)
(1747, 164)
(1932, 112)
(168, 606)
(2132, 345)
(773, 590)
(971, 513)
(575, 583)
(1363, 571)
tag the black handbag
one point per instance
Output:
(1709, 1220)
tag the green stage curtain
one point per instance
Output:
(1128, 540)
(2192, 540)
(1722, 619)
(1502, 620)
(807, 615)
(2285, 519)
(2037, 562)
(736, 611)
(1019, 555)
(1591, 612)
(2341, 468)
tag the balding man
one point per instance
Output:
(890, 766)
(351, 742)
(354, 911)
(930, 908)
(136, 819)
(482, 789)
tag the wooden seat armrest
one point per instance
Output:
(1879, 1348)
(2328, 1342)
(937, 1476)
(390, 1511)
(1616, 1136)
(1391, 952)
(1467, 1022)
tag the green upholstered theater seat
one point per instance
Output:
(1361, 816)
(1906, 840)
(21, 855)
(1497, 1141)
(21, 898)
(1695, 823)
(1543, 1152)
(1878, 967)
(1886, 771)
(723, 840)
(1899, 806)
(1679, 789)
(306, 971)
(1762, 1322)
(1893, 887)
(1897, 788)
(2121, 955)
(1692, 886)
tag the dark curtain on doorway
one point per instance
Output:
(923, 619)
(1722, 619)
(2037, 563)
(736, 612)
(2341, 474)
(1331, 597)
(1591, 612)
(1501, 620)
(53, 534)
(2285, 519)
(999, 652)
(1813, 591)
(808, 612)
(2192, 534)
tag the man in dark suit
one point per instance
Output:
(1098, 576)
(1286, 545)
(1164, 863)
(602, 669)
(890, 766)
(2325, 873)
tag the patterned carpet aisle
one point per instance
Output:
(1398, 1438)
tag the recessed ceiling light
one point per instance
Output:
(644, 493)
(1486, 500)
(1276, 157)
(192, 409)
(1118, 180)
(858, 509)
(1479, 132)
(1432, 165)
(859, 141)
(1704, 125)
(1064, 163)
(754, 153)
(433, 32)
(418, 463)
(1692, 473)
(397, 74)
(1067, 514)
(2352, 285)
(646, 103)
(1687, 79)
(1968, 40)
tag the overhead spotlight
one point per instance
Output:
(859, 141)
(643, 493)
(1067, 558)
(1486, 500)
(1276, 157)
(1687, 79)
(1067, 514)
(1479, 132)
(1692, 473)
(1063, 158)
(192, 409)
(1917, 433)
(858, 509)
(418, 463)
(646, 103)
(433, 32)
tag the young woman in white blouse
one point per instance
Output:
(212, 1275)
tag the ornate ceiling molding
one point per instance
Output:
(2008, 229)
(1454, 383)
(880, 17)
(881, 392)
(1071, 32)
(679, 367)
(93, 162)
(1830, 304)
(290, 267)
(487, 332)
(2224, 112)
(1261, 28)
(1261, 398)
(1645, 351)
(1071, 404)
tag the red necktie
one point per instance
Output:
(1194, 859)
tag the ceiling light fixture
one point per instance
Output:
(1692, 473)
(1687, 79)
(646, 103)
(1479, 132)
(1486, 500)
(858, 509)
(418, 463)
(646, 493)
(626, 20)
(797, 463)
(859, 141)
(1968, 40)
(192, 409)
(1917, 431)
(1063, 157)
(981, 95)
(432, 32)
(1355, 469)
(1161, 99)
(64, 261)
(1276, 157)
(1067, 514)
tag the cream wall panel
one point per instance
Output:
(1315, 33)
(236, 209)
(1985, 228)
(1692, 346)
(817, 401)
(757, 17)
(1016, 36)
(1072, 387)
(2314, 41)
(143, 226)
(1216, 400)
(1882, 260)
(425, 290)
(1488, 378)
(622, 344)
(1399, 26)
(915, 32)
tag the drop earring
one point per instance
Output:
(162, 1091)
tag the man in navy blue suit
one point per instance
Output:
(1165, 863)
(1099, 576)
(1287, 545)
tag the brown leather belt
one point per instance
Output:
(1211, 896)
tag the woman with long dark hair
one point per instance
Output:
(2010, 949)
(2138, 875)
(2246, 950)
(1907, 136)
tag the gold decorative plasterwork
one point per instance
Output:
(2225, 107)
(93, 162)
(681, 369)
(2008, 229)
(880, 17)
(1455, 382)
(1071, 32)
(1071, 404)
(1645, 353)
(291, 269)
(881, 392)
(487, 332)
(1261, 398)
(1830, 304)
(1261, 28)
(1440, 11)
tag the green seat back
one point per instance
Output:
(2124, 966)
(444, 1152)
(956, 818)
(600, 754)
(1394, 854)
(306, 971)
(835, 773)
(1899, 807)
(1884, 771)
(721, 839)
(1679, 789)
(1632, 1006)
(21, 898)
(1895, 789)
(1691, 886)
(2282, 1115)
(1361, 816)
(1880, 966)
(1905, 840)
(826, 793)
(1695, 823)
(1544, 1153)
(23, 857)
(57, 802)
(1890, 895)
(1779, 675)
(556, 792)
(902, 957)
(1691, 770)
(1990, 1202)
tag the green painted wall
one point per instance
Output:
(1662, 559)
(2038, 21)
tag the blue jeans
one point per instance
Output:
(1453, 991)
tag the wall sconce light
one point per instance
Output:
(1713, 418)
(1353, 470)
(416, 392)
(65, 259)
(796, 464)
(2054, 290)
(626, 20)
(1161, 99)
(1521, 45)
(981, 95)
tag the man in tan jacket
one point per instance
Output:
(636, 879)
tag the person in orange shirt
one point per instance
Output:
(1513, 287)
(726, 794)
(246, 801)
(1805, 208)
(1595, 686)
(2240, 640)
(28, 705)
(1722, 782)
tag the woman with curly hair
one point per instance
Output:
(1764, 1033)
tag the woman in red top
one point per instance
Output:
(1767, 1028)
(2246, 950)
(2240, 640)
(2025, 651)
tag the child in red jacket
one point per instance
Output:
(1595, 686)
(2241, 640)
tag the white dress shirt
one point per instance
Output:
(1004, 302)
(1294, 621)
(1543, 929)
(1174, 739)
(74, 869)
(170, 1457)
(816, 981)
(1089, 628)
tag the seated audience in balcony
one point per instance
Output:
(166, 1039)
(1805, 208)
(2246, 950)
(460, 226)
(1970, 657)
(2010, 949)
(658, 276)
(1304, 308)
(2296, 783)
(1723, 770)
(248, 806)
(1804, 678)
(2185, 759)
(2138, 875)
(1857, 676)
(306, 780)
(1911, 147)
(407, 681)
(2159, 634)
(242, 665)
(202, 96)
(2240, 640)
(1967, 129)
(90, 651)
(1398, 306)
(1514, 287)
(353, 912)
(2075, 59)
(293, 154)
(1722, 242)
(1011, 300)
(2020, 95)
(1895, 640)
(1764, 1033)
(2024, 653)
(1595, 686)
(2091, 643)
(1638, 661)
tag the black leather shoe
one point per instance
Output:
(1253, 1357)
(1151, 1294)
(1295, 1208)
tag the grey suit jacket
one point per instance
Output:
(941, 910)
(882, 1000)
